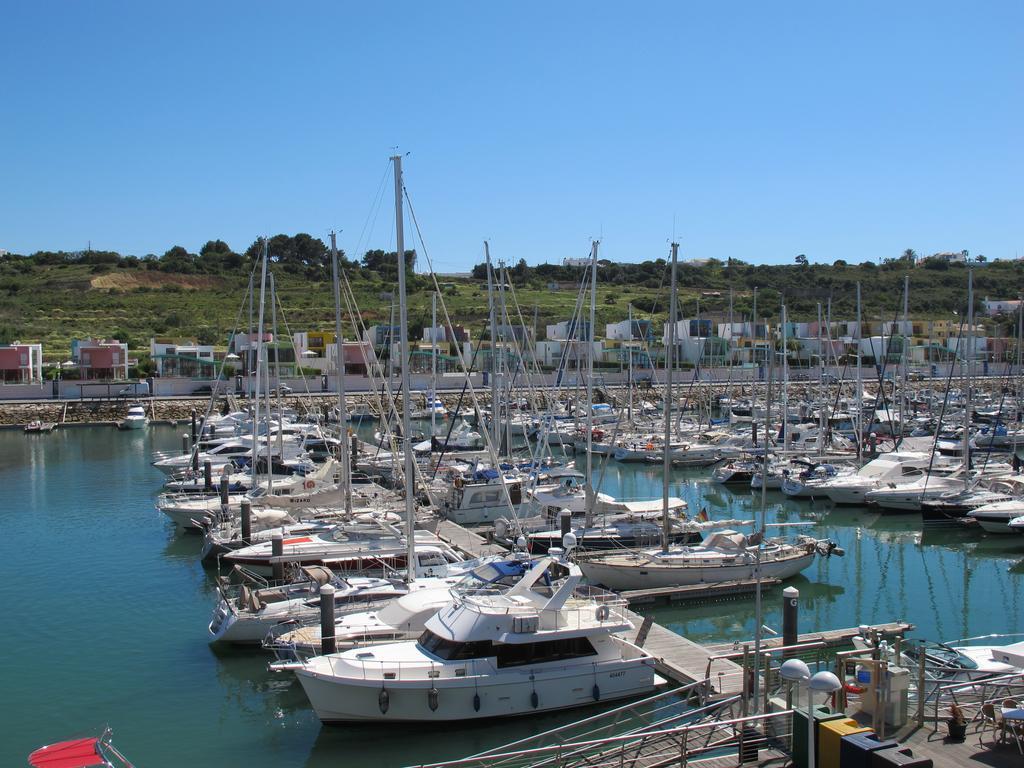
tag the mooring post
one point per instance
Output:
(185, 446)
(207, 475)
(564, 522)
(224, 497)
(328, 642)
(277, 555)
(790, 617)
(246, 520)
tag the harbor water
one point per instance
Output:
(107, 606)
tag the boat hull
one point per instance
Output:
(620, 577)
(508, 694)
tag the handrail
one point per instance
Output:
(620, 742)
(614, 714)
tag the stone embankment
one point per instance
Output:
(696, 394)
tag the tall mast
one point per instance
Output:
(403, 333)
(252, 331)
(433, 362)
(785, 383)
(495, 429)
(822, 410)
(761, 527)
(590, 490)
(346, 471)
(629, 407)
(905, 335)
(968, 404)
(859, 423)
(666, 463)
(277, 365)
(259, 360)
(266, 388)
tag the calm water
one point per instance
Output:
(106, 609)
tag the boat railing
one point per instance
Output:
(680, 745)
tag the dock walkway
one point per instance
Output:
(685, 661)
(466, 541)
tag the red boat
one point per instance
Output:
(79, 753)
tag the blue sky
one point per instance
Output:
(752, 130)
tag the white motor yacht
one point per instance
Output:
(907, 497)
(888, 468)
(135, 419)
(532, 648)
(996, 517)
(403, 618)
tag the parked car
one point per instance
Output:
(915, 376)
(284, 389)
(829, 378)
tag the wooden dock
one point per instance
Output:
(472, 544)
(830, 638)
(683, 660)
(707, 593)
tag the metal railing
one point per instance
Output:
(653, 712)
(740, 737)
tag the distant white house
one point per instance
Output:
(1000, 307)
(186, 358)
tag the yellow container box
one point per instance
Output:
(830, 736)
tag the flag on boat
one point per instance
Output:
(703, 515)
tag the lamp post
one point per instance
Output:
(796, 671)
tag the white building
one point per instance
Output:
(171, 357)
(1000, 307)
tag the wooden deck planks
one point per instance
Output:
(684, 661)
(466, 541)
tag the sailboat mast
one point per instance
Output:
(629, 408)
(968, 407)
(859, 423)
(339, 357)
(260, 348)
(905, 335)
(590, 490)
(495, 429)
(666, 463)
(403, 335)
(785, 384)
(433, 363)
(277, 363)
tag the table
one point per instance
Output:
(1015, 715)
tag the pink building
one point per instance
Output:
(21, 363)
(104, 359)
(358, 356)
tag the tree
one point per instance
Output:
(839, 263)
(801, 260)
(177, 259)
(217, 256)
(981, 258)
(385, 264)
(910, 256)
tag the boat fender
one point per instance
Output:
(500, 528)
(596, 693)
(432, 698)
(686, 447)
(476, 702)
(852, 688)
(534, 700)
(602, 613)
(650, 446)
(383, 701)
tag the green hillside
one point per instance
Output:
(54, 297)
